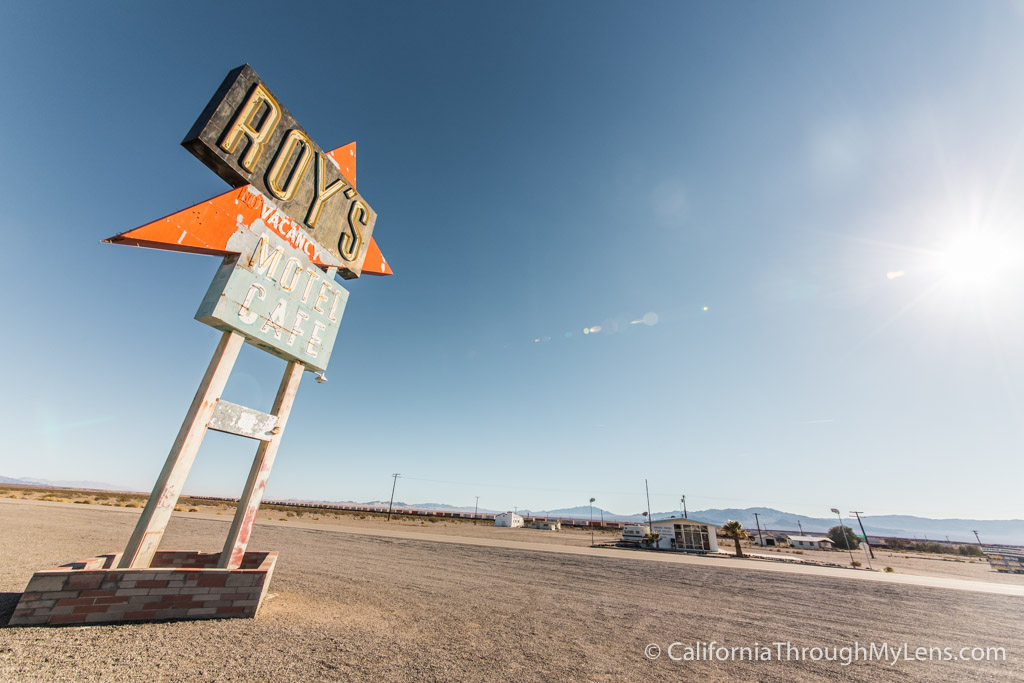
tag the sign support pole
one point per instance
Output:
(252, 495)
(151, 525)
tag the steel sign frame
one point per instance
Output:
(292, 224)
(271, 289)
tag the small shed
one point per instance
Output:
(547, 524)
(810, 542)
(509, 519)
(765, 539)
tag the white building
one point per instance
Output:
(550, 525)
(765, 539)
(510, 519)
(686, 534)
(810, 542)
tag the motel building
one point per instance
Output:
(509, 519)
(687, 535)
(810, 542)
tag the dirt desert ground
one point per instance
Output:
(359, 605)
(903, 563)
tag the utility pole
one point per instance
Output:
(801, 527)
(476, 509)
(592, 520)
(682, 499)
(650, 522)
(395, 476)
(846, 538)
(757, 521)
(866, 542)
(975, 532)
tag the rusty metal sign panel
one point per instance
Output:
(247, 137)
(274, 296)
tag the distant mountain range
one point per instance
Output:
(1004, 531)
(998, 531)
(98, 485)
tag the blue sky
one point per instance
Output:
(794, 231)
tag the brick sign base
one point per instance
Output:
(178, 585)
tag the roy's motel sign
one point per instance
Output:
(293, 221)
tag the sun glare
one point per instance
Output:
(976, 259)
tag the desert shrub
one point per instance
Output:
(889, 570)
(930, 547)
(193, 509)
(856, 563)
(970, 551)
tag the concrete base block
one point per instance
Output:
(178, 585)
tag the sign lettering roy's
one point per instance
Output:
(247, 137)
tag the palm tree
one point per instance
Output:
(735, 531)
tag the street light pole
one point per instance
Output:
(592, 520)
(650, 522)
(842, 530)
(395, 476)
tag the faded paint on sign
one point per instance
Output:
(276, 298)
(247, 137)
(232, 418)
(206, 227)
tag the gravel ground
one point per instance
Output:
(357, 607)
